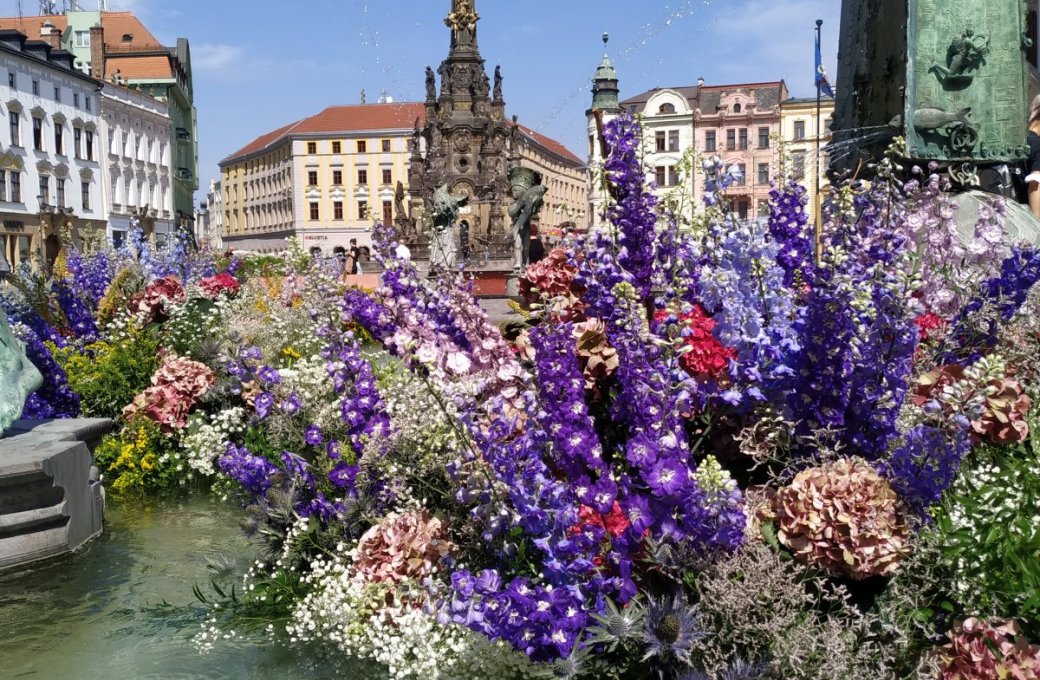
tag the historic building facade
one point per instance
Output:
(50, 151)
(739, 123)
(805, 137)
(137, 164)
(605, 107)
(118, 48)
(209, 218)
(324, 179)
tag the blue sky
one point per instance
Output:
(261, 64)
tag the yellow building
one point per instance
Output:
(326, 179)
(564, 175)
(329, 178)
(800, 129)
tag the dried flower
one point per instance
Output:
(408, 546)
(987, 651)
(844, 518)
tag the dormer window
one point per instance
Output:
(666, 108)
(736, 108)
(128, 37)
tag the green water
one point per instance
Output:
(123, 608)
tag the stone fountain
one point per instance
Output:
(51, 499)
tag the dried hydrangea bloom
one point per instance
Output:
(407, 546)
(844, 518)
(987, 651)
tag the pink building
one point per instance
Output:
(740, 123)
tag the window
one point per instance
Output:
(388, 212)
(337, 211)
(337, 178)
(709, 140)
(45, 189)
(386, 146)
(16, 186)
(337, 147)
(362, 209)
(16, 137)
(85, 193)
(59, 139)
(763, 173)
(742, 209)
(799, 129)
(743, 138)
(666, 108)
(737, 108)
(89, 145)
(11, 80)
(38, 134)
(82, 38)
(763, 208)
(659, 175)
(798, 164)
(36, 88)
(75, 99)
(388, 176)
(3, 186)
(315, 213)
(312, 147)
(57, 93)
(362, 147)
(312, 178)
(86, 102)
(742, 169)
(731, 139)
(362, 176)
(763, 138)
(61, 192)
(673, 176)
(673, 140)
(659, 141)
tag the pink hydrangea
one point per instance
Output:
(176, 388)
(987, 651)
(154, 303)
(407, 546)
(213, 287)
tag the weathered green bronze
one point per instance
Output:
(966, 80)
(18, 377)
(948, 75)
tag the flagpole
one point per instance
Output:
(816, 193)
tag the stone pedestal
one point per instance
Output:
(51, 498)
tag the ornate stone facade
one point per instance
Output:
(470, 144)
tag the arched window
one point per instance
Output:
(736, 108)
(667, 107)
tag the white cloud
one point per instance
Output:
(214, 57)
(768, 39)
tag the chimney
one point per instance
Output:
(97, 52)
(50, 35)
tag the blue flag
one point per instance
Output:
(822, 84)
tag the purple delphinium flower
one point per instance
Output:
(54, 399)
(268, 375)
(789, 227)
(291, 405)
(925, 465)
(252, 472)
(313, 436)
(668, 477)
(263, 404)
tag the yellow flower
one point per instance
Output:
(126, 457)
(148, 462)
(291, 353)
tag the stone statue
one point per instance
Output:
(498, 84)
(18, 377)
(399, 201)
(446, 207)
(431, 85)
(528, 197)
(413, 144)
(513, 132)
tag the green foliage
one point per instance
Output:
(109, 374)
(137, 459)
(256, 266)
(988, 530)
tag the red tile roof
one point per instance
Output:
(362, 117)
(139, 67)
(116, 25)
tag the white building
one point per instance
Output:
(606, 107)
(135, 131)
(209, 218)
(50, 172)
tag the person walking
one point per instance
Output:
(353, 257)
(536, 249)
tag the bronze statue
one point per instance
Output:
(463, 23)
(967, 52)
(431, 85)
(18, 376)
(498, 84)
(528, 197)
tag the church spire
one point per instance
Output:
(605, 84)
